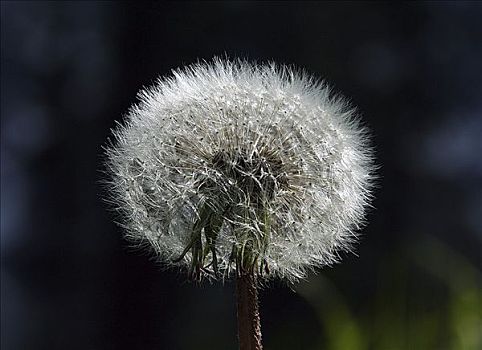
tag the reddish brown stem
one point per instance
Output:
(249, 326)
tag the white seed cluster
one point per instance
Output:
(231, 166)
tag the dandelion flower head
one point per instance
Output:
(232, 166)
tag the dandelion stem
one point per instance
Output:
(249, 326)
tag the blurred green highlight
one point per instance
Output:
(427, 297)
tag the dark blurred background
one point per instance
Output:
(69, 70)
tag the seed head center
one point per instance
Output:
(258, 174)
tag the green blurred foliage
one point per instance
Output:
(427, 297)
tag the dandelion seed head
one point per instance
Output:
(230, 166)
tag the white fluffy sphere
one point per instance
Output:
(231, 166)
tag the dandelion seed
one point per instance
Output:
(231, 166)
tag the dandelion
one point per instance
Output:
(237, 169)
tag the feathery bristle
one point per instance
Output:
(230, 165)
